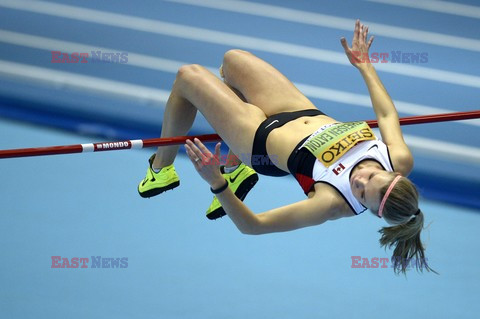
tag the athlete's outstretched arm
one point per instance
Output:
(309, 212)
(383, 106)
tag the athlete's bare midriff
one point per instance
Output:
(282, 141)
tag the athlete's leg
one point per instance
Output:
(177, 120)
(197, 88)
(232, 159)
(261, 84)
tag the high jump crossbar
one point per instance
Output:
(137, 144)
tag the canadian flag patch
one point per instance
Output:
(338, 169)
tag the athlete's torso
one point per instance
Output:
(282, 141)
(337, 173)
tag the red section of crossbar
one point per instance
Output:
(434, 118)
(78, 148)
(39, 151)
(177, 140)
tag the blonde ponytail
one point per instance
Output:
(401, 209)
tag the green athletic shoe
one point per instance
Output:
(240, 181)
(157, 183)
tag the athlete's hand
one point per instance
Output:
(358, 53)
(206, 163)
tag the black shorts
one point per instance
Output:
(261, 161)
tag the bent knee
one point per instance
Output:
(190, 71)
(235, 52)
(234, 55)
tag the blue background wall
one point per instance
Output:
(301, 38)
(180, 264)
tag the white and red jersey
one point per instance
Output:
(338, 173)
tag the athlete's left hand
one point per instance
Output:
(358, 53)
(206, 163)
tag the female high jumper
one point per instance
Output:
(343, 168)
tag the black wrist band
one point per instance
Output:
(221, 189)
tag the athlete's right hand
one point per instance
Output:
(358, 53)
(206, 164)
